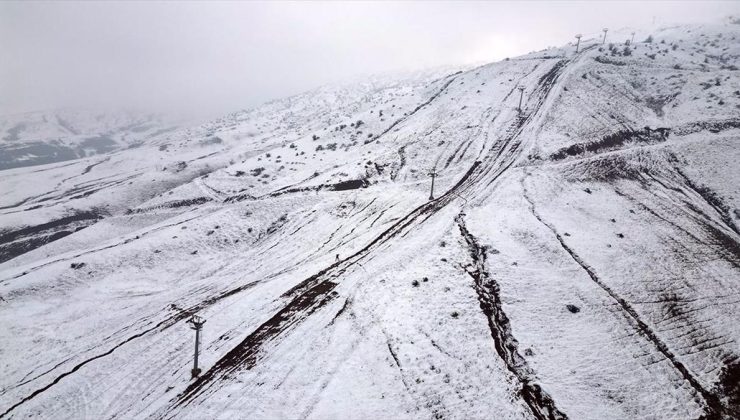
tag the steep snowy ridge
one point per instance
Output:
(579, 258)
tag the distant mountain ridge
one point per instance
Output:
(39, 138)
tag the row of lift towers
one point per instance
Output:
(433, 173)
(196, 322)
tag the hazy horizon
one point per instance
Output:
(207, 59)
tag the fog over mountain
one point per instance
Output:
(211, 58)
(452, 211)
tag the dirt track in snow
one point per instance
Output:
(315, 291)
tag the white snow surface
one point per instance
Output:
(580, 258)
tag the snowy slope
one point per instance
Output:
(38, 138)
(579, 259)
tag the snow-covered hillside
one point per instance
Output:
(39, 138)
(579, 258)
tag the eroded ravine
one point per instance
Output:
(315, 291)
(310, 294)
(507, 347)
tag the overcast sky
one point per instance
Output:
(213, 58)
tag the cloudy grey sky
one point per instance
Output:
(213, 58)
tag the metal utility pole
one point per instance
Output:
(605, 31)
(196, 323)
(433, 174)
(521, 95)
(578, 37)
(632, 41)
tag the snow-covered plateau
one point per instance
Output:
(579, 257)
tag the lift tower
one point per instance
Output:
(196, 323)
(433, 174)
(521, 95)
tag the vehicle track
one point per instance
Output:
(312, 293)
(444, 87)
(712, 404)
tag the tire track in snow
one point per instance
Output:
(417, 109)
(307, 297)
(161, 325)
(78, 367)
(246, 353)
(713, 407)
(722, 232)
(78, 254)
(310, 295)
(84, 171)
(313, 292)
